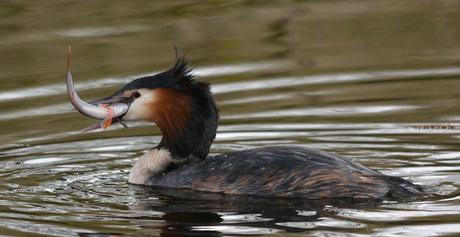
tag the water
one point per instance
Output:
(374, 81)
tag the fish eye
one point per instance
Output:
(136, 94)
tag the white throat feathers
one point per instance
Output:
(152, 162)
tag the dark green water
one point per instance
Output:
(375, 81)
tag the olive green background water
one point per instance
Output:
(374, 81)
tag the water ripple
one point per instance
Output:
(327, 111)
(103, 31)
(56, 89)
(332, 78)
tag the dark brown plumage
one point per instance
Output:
(287, 171)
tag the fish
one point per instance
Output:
(108, 113)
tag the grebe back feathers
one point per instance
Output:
(286, 171)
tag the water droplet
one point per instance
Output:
(230, 164)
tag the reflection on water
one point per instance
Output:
(242, 214)
(374, 81)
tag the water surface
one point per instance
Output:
(374, 81)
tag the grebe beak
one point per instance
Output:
(109, 110)
(119, 107)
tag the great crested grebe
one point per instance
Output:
(185, 112)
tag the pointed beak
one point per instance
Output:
(112, 100)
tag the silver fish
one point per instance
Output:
(106, 113)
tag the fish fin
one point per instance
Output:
(106, 122)
(90, 128)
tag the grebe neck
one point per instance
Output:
(186, 115)
(188, 123)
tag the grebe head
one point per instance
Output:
(182, 108)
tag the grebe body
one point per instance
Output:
(185, 112)
(277, 171)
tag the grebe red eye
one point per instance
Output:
(136, 94)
